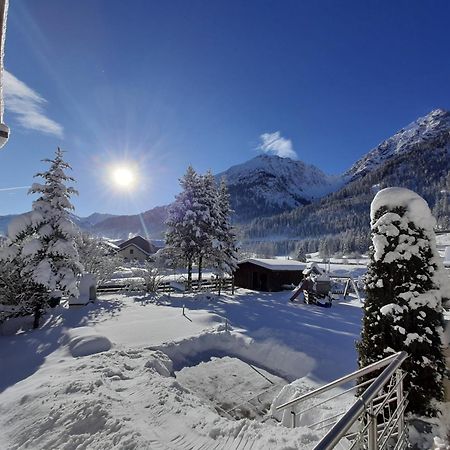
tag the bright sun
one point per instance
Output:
(123, 177)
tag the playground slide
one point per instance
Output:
(297, 291)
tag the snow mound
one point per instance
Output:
(417, 209)
(268, 354)
(160, 363)
(84, 341)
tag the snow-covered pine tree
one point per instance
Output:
(43, 241)
(300, 254)
(183, 235)
(209, 221)
(405, 286)
(19, 295)
(225, 249)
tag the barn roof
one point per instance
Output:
(276, 264)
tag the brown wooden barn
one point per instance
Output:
(268, 274)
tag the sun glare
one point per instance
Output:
(123, 177)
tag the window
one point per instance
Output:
(131, 251)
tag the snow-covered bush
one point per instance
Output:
(405, 286)
(151, 276)
(97, 257)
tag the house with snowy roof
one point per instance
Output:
(136, 249)
(268, 274)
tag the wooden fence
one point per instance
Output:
(217, 285)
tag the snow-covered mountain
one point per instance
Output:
(149, 223)
(268, 184)
(263, 186)
(417, 158)
(429, 132)
(92, 220)
(85, 223)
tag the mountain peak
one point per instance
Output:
(268, 184)
(430, 131)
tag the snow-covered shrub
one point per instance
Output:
(97, 257)
(151, 276)
(405, 286)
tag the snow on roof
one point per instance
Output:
(112, 245)
(276, 264)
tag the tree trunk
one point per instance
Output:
(37, 316)
(200, 262)
(189, 279)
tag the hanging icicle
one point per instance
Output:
(4, 130)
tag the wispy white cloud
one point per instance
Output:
(14, 188)
(276, 144)
(28, 106)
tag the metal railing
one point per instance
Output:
(375, 421)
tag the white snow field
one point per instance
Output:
(130, 373)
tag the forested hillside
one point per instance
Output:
(345, 213)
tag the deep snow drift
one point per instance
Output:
(127, 373)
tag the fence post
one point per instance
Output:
(398, 377)
(372, 433)
(232, 285)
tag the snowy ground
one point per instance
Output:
(129, 373)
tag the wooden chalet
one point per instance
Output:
(268, 274)
(136, 249)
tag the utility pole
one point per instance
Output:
(4, 129)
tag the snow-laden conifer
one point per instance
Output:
(406, 286)
(41, 244)
(224, 251)
(184, 234)
(210, 222)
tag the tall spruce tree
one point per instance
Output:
(224, 238)
(405, 286)
(209, 220)
(42, 243)
(184, 234)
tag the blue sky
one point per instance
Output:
(164, 84)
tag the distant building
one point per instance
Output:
(268, 274)
(136, 249)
